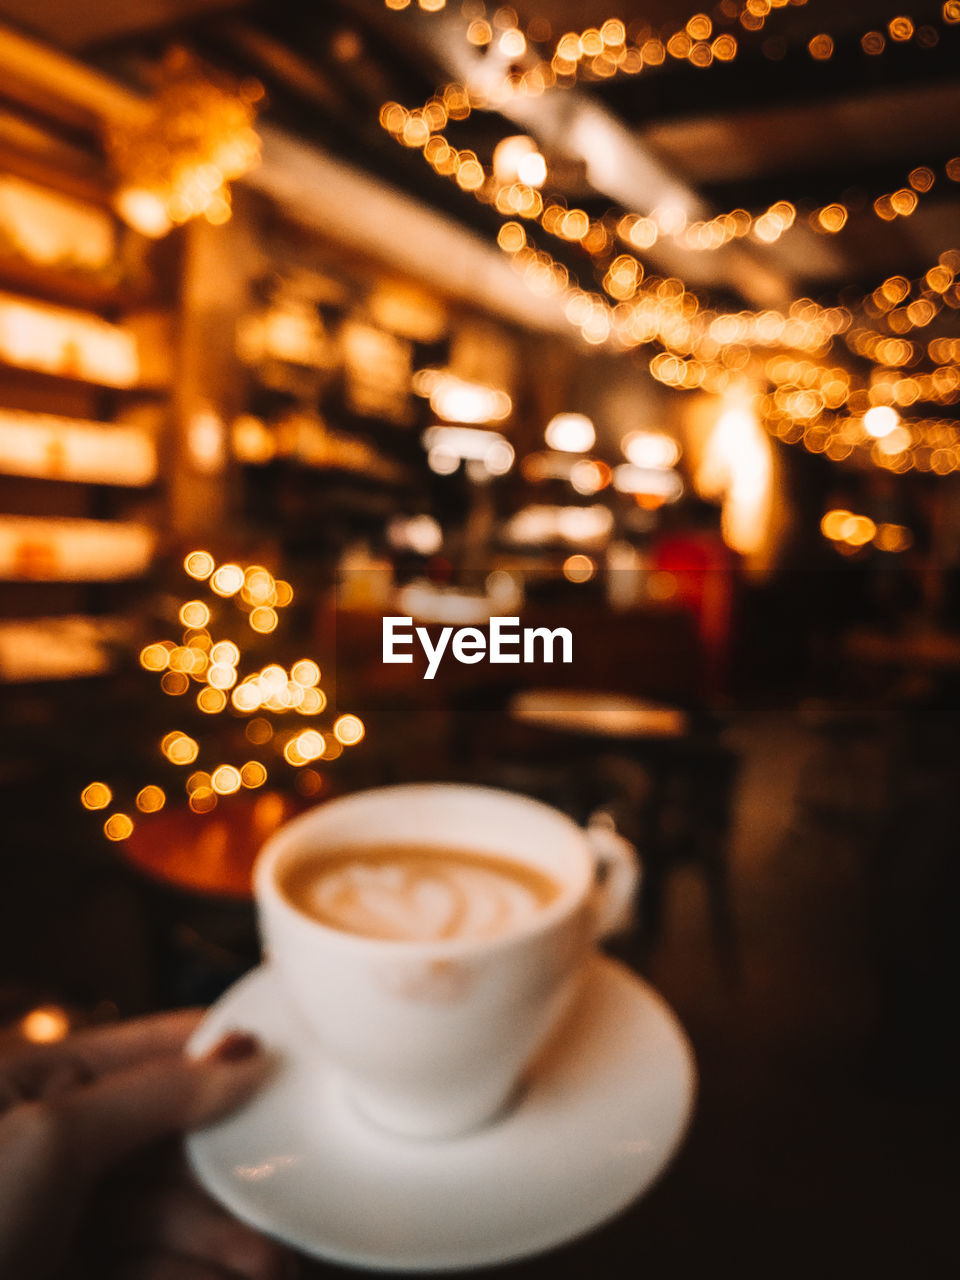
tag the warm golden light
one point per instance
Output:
(155, 657)
(227, 580)
(305, 672)
(258, 586)
(211, 700)
(253, 774)
(349, 730)
(832, 218)
(74, 344)
(179, 748)
(589, 476)
(901, 29)
(175, 683)
(225, 780)
(651, 449)
(834, 523)
(579, 568)
(895, 442)
(202, 800)
(518, 159)
(312, 702)
(220, 676)
(194, 614)
(263, 619)
(858, 530)
(225, 653)
(44, 1025)
(199, 564)
(151, 799)
(54, 447)
(737, 466)
(118, 827)
(96, 796)
(893, 538)
(311, 744)
(570, 433)
(246, 697)
(175, 161)
(880, 421)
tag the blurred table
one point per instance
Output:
(211, 853)
(927, 649)
(683, 813)
(604, 715)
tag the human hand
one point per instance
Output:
(85, 1179)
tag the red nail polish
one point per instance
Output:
(236, 1046)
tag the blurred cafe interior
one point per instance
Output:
(629, 319)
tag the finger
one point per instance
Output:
(120, 1113)
(183, 1220)
(169, 1266)
(109, 1047)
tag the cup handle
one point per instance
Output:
(613, 898)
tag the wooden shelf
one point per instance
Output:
(75, 380)
(70, 288)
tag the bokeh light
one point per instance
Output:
(349, 730)
(225, 780)
(46, 1024)
(119, 826)
(211, 701)
(202, 800)
(194, 613)
(570, 433)
(227, 580)
(96, 796)
(179, 748)
(199, 564)
(253, 774)
(154, 657)
(225, 653)
(578, 568)
(151, 799)
(263, 619)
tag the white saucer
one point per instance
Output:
(604, 1110)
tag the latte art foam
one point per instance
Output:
(418, 895)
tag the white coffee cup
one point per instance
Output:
(432, 1038)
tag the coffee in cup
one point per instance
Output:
(431, 937)
(417, 893)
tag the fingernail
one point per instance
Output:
(236, 1046)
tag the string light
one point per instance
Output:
(151, 799)
(178, 160)
(703, 349)
(349, 730)
(119, 826)
(214, 664)
(97, 795)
